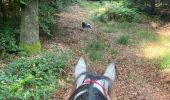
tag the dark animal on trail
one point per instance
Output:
(86, 25)
(90, 86)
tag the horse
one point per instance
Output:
(89, 86)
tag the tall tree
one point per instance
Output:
(29, 36)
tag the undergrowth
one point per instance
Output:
(116, 11)
(47, 9)
(8, 42)
(33, 78)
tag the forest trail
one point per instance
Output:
(137, 77)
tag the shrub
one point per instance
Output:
(8, 42)
(116, 11)
(121, 13)
(33, 78)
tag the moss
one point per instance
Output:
(31, 49)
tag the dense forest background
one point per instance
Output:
(12, 13)
(23, 23)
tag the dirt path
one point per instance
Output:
(137, 77)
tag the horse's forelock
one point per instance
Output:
(92, 92)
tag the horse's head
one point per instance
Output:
(90, 86)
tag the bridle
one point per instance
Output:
(88, 81)
(93, 79)
(90, 86)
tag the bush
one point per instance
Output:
(33, 78)
(8, 42)
(46, 16)
(117, 11)
(121, 14)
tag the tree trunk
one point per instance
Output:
(152, 6)
(29, 36)
(3, 11)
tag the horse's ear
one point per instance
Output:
(111, 71)
(80, 67)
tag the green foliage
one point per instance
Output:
(117, 11)
(123, 40)
(90, 5)
(7, 40)
(23, 2)
(60, 4)
(47, 10)
(46, 16)
(33, 78)
(103, 18)
(121, 14)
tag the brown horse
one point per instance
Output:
(90, 86)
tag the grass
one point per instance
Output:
(147, 36)
(165, 61)
(136, 32)
(95, 55)
(123, 40)
(124, 26)
(95, 49)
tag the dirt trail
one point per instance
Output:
(137, 77)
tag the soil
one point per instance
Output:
(137, 77)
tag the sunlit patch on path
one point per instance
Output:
(153, 51)
(165, 30)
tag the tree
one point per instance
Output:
(152, 6)
(29, 36)
(2, 10)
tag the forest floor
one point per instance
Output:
(137, 77)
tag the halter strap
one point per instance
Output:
(88, 81)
